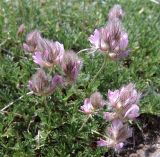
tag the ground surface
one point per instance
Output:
(28, 128)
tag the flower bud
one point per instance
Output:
(116, 13)
(21, 30)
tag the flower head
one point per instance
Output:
(111, 39)
(124, 103)
(40, 84)
(71, 66)
(117, 135)
(93, 104)
(21, 30)
(51, 55)
(116, 12)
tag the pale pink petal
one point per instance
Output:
(37, 58)
(113, 96)
(132, 112)
(56, 81)
(87, 107)
(109, 116)
(102, 143)
(124, 41)
(95, 39)
(119, 146)
(30, 84)
(26, 47)
(116, 124)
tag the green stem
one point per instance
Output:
(140, 128)
(47, 108)
(84, 122)
(118, 70)
(82, 50)
(93, 131)
(99, 71)
(11, 103)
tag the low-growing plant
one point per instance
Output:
(58, 70)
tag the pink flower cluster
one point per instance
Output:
(123, 103)
(49, 54)
(112, 38)
(123, 106)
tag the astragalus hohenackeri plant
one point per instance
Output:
(50, 54)
(122, 107)
(58, 67)
(116, 135)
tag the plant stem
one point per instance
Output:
(44, 98)
(1, 44)
(82, 50)
(140, 128)
(99, 71)
(93, 131)
(11, 103)
(84, 122)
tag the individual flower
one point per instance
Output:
(93, 104)
(21, 30)
(71, 66)
(116, 136)
(124, 103)
(87, 107)
(41, 84)
(52, 54)
(33, 39)
(116, 13)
